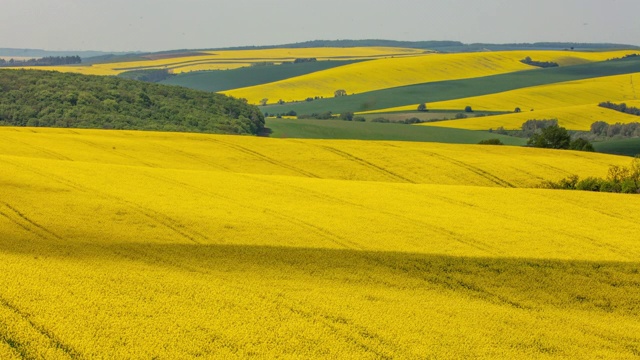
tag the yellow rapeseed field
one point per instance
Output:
(119, 244)
(232, 59)
(617, 88)
(394, 72)
(571, 117)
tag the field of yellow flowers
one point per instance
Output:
(394, 72)
(124, 244)
(233, 59)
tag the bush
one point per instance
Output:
(589, 184)
(468, 109)
(348, 116)
(491, 142)
(460, 116)
(422, 107)
(620, 179)
(359, 119)
(581, 144)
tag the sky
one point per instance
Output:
(156, 25)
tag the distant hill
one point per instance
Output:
(52, 99)
(38, 53)
(437, 45)
(445, 46)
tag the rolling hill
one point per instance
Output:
(396, 72)
(253, 247)
(52, 99)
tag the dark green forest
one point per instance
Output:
(52, 99)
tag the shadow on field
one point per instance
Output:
(612, 287)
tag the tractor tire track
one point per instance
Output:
(154, 215)
(474, 169)
(366, 163)
(299, 222)
(30, 222)
(54, 155)
(50, 336)
(262, 157)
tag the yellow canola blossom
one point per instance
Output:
(232, 59)
(385, 161)
(85, 70)
(571, 117)
(617, 88)
(130, 244)
(395, 72)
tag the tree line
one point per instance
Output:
(45, 61)
(620, 179)
(623, 108)
(542, 64)
(53, 99)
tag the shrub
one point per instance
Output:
(581, 144)
(491, 142)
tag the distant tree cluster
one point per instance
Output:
(45, 61)
(621, 108)
(304, 60)
(542, 64)
(339, 93)
(628, 56)
(620, 179)
(327, 115)
(53, 99)
(603, 129)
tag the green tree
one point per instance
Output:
(422, 107)
(468, 109)
(340, 92)
(552, 137)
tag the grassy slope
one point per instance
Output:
(162, 245)
(629, 147)
(456, 89)
(338, 129)
(248, 76)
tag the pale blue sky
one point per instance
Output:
(148, 25)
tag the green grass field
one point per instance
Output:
(629, 147)
(249, 76)
(338, 129)
(457, 89)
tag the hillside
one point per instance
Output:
(52, 99)
(188, 61)
(248, 76)
(409, 96)
(410, 250)
(396, 72)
